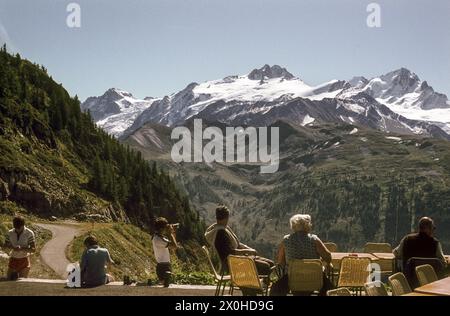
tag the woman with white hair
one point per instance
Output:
(300, 244)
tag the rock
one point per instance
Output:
(99, 218)
(31, 198)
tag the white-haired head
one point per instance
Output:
(301, 222)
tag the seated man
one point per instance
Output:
(421, 244)
(93, 264)
(224, 240)
(163, 240)
(22, 242)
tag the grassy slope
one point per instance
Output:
(58, 174)
(131, 250)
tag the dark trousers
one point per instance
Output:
(281, 287)
(163, 271)
(263, 265)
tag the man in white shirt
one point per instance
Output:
(163, 240)
(22, 242)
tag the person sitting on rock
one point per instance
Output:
(21, 241)
(93, 264)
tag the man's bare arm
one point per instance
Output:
(246, 251)
(172, 239)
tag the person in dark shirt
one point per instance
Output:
(421, 244)
(224, 240)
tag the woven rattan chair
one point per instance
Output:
(221, 280)
(425, 274)
(305, 276)
(343, 291)
(386, 266)
(375, 288)
(331, 246)
(399, 284)
(244, 275)
(334, 271)
(354, 272)
(409, 269)
(372, 247)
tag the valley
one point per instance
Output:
(365, 157)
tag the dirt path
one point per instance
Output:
(53, 253)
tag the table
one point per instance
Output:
(440, 287)
(336, 257)
(384, 255)
(340, 255)
(386, 262)
(417, 294)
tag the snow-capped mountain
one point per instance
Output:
(400, 88)
(404, 93)
(398, 101)
(115, 110)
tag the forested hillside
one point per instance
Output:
(55, 162)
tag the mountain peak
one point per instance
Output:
(270, 72)
(358, 81)
(117, 92)
(402, 75)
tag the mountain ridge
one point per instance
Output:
(401, 91)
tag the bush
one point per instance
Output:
(3, 232)
(10, 208)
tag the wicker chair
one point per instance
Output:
(375, 288)
(354, 272)
(409, 269)
(305, 276)
(334, 271)
(399, 284)
(372, 247)
(343, 291)
(220, 279)
(244, 275)
(386, 266)
(425, 274)
(331, 246)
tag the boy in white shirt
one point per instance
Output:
(163, 240)
(22, 242)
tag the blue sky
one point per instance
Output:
(156, 47)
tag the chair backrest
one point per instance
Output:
(342, 291)
(305, 275)
(354, 271)
(375, 288)
(243, 272)
(331, 246)
(410, 269)
(399, 284)
(206, 251)
(425, 274)
(372, 247)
